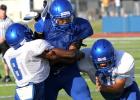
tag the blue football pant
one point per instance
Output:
(71, 81)
(131, 93)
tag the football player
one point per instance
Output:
(25, 60)
(63, 29)
(111, 70)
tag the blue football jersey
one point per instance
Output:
(80, 29)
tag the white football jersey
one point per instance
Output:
(124, 66)
(24, 63)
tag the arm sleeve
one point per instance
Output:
(127, 73)
(86, 29)
(126, 66)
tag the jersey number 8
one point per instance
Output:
(15, 68)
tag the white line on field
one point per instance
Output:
(4, 97)
(137, 75)
(6, 85)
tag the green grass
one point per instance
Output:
(7, 90)
(131, 45)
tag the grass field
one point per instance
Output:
(131, 45)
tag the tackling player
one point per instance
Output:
(112, 71)
(23, 58)
(30, 71)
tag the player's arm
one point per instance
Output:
(64, 56)
(77, 45)
(120, 79)
(54, 59)
(63, 61)
(69, 56)
(115, 88)
(56, 54)
(71, 53)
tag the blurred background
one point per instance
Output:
(124, 12)
(91, 9)
(116, 20)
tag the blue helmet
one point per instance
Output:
(61, 13)
(16, 34)
(103, 54)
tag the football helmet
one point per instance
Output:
(103, 54)
(61, 13)
(17, 34)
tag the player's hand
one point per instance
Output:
(73, 47)
(51, 55)
(76, 45)
(98, 84)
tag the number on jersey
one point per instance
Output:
(15, 68)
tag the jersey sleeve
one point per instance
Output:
(85, 29)
(125, 66)
(39, 46)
